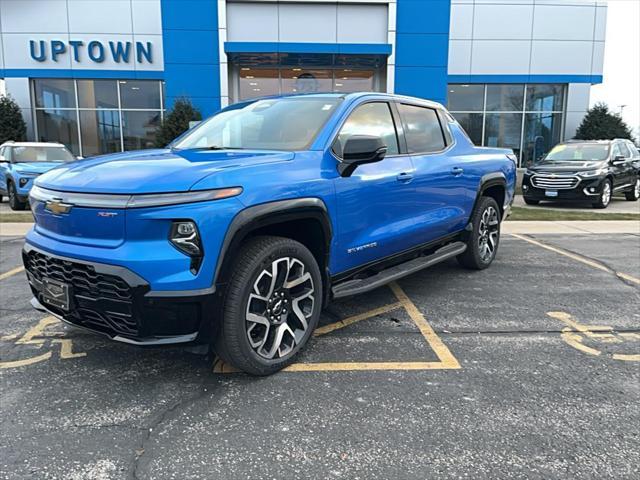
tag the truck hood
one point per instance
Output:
(569, 166)
(35, 167)
(151, 171)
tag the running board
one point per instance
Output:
(357, 286)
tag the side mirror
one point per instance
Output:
(618, 160)
(359, 150)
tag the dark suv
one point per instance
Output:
(585, 171)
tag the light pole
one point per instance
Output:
(621, 107)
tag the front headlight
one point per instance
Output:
(591, 174)
(186, 238)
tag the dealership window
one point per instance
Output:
(93, 117)
(527, 118)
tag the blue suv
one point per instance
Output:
(22, 162)
(242, 229)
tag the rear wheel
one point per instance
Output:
(605, 195)
(272, 305)
(484, 239)
(14, 201)
(633, 194)
(531, 201)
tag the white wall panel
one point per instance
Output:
(578, 97)
(559, 58)
(147, 17)
(252, 22)
(461, 25)
(601, 24)
(502, 22)
(362, 24)
(307, 22)
(1, 53)
(31, 16)
(554, 22)
(100, 16)
(157, 49)
(460, 57)
(500, 57)
(597, 65)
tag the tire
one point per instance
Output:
(531, 201)
(14, 201)
(633, 194)
(482, 244)
(255, 308)
(605, 195)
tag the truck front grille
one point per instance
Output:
(555, 182)
(99, 301)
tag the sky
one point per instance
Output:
(621, 84)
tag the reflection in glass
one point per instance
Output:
(370, 119)
(541, 132)
(350, 80)
(54, 93)
(545, 98)
(258, 82)
(302, 80)
(503, 130)
(97, 94)
(505, 98)
(100, 131)
(139, 94)
(138, 129)
(58, 126)
(466, 98)
(422, 129)
(472, 124)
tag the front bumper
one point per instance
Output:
(116, 302)
(586, 190)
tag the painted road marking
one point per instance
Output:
(11, 273)
(579, 258)
(575, 334)
(446, 360)
(36, 337)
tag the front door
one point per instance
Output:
(375, 204)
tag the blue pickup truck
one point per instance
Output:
(241, 230)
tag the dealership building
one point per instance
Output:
(99, 75)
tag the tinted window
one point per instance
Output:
(139, 94)
(370, 119)
(421, 129)
(466, 98)
(579, 152)
(624, 151)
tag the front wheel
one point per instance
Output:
(605, 195)
(633, 194)
(482, 244)
(271, 307)
(14, 201)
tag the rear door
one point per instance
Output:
(622, 172)
(375, 204)
(444, 190)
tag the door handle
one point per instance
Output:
(457, 171)
(404, 177)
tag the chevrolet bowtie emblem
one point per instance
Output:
(57, 206)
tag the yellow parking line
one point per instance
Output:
(11, 273)
(26, 361)
(355, 366)
(578, 258)
(447, 360)
(356, 318)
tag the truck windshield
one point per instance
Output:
(578, 152)
(273, 124)
(41, 154)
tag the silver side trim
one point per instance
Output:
(626, 185)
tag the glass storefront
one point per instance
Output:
(93, 117)
(527, 118)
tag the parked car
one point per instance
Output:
(585, 171)
(22, 162)
(245, 227)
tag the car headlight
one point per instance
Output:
(186, 238)
(591, 174)
(23, 181)
(529, 172)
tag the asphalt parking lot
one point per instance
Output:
(530, 369)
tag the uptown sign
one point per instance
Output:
(95, 51)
